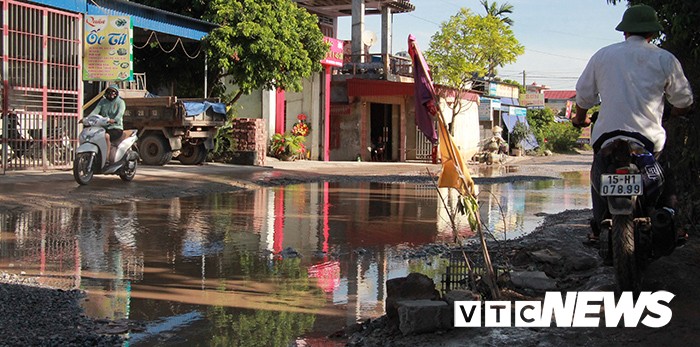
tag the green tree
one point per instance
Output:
(468, 47)
(176, 66)
(561, 137)
(539, 121)
(681, 35)
(263, 44)
(499, 12)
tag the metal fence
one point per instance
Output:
(41, 86)
(424, 148)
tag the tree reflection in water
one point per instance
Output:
(265, 327)
(257, 328)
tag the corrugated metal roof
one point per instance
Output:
(342, 8)
(560, 94)
(152, 18)
(143, 16)
(510, 101)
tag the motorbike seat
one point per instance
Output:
(125, 135)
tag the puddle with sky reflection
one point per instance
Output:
(209, 269)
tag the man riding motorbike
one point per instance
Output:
(112, 106)
(630, 80)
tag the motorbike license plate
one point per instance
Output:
(621, 185)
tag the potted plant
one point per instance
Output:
(287, 146)
(519, 134)
(301, 127)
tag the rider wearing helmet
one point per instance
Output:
(112, 107)
(630, 80)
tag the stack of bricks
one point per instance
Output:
(251, 139)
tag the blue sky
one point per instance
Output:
(559, 35)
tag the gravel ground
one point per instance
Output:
(33, 315)
(36, 315)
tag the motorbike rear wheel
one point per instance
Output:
(126, 174)
(82, 171)
(627, 269)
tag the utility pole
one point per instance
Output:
(524, 80)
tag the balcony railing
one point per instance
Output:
(376, 66)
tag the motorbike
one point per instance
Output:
(91, 157)
(637, 228)
(20, 143)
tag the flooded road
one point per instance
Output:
(259, 267)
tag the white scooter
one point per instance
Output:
(90, 156)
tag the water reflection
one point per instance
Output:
(509, 209)
(274, 263)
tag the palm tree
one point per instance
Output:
(498, 11)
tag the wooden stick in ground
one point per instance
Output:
(455, 234)
(490, 276)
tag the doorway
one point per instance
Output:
(380, 132)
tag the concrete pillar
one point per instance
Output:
(387, 19)
(358, 27)
(386, 37)
(269, 110)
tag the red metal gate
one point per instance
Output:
(41, 86)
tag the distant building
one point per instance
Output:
(535, 88)
(557, 99)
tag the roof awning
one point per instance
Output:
(341, 8)
(144, 17)
(510, 101)
(152, 18)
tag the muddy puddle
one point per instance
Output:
(262, 267)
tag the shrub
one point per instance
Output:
(287, 145)
(561, 137)
(539, 120)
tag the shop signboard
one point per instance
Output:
(532, 99)
(108, 52)
(334, 57)
(518, 111)
(486, 108)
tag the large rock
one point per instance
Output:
(546, 256)
(415, 286)
(424, 316)
(536, 280)
(460, 295)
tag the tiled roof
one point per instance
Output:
(559, 94)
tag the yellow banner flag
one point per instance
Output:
(453, 174)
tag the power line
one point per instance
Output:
(423, 19)
(555, 55)
(581, 36)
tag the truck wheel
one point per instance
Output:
(192, 154)
(155, 150)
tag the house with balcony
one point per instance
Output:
(365, 99)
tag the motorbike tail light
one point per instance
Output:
(622, 171)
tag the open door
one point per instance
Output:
(380, 132)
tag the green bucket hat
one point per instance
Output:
(639, 19)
